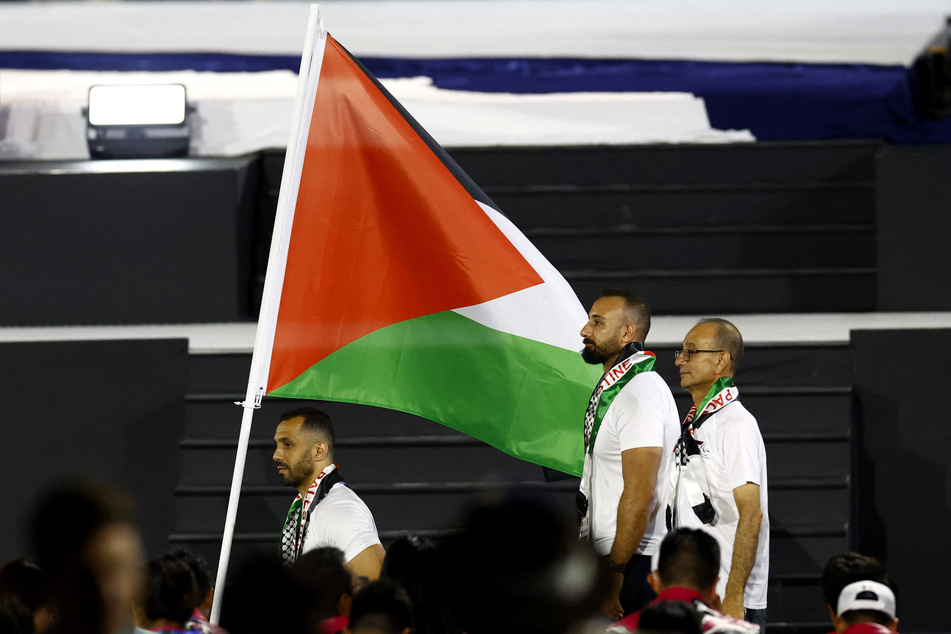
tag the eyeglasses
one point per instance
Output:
(687, 354)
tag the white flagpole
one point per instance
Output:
(274, 280)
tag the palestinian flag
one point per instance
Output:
(396, 282)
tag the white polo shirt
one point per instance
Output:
(643, 414)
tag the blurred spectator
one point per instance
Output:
(412, 562)
(23, 587)
(85, 538)
(323, 574)
(381, 607)
(670, 617)
(170, 597)
(263, 598)
(517, 566)
(205, 590)
(15, 617)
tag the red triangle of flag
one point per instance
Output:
(383, 231)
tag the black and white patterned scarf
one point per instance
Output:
(292, 536)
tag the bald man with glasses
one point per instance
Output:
(718, 474)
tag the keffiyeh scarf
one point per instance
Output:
(632, 361)
(691, 476)
(298, 516)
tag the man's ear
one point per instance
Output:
(205, 607)
(321, 449)
(653, 580)
(838, 624)
(724, 362)
(630, 333)
(711, 597)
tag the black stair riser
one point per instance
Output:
(623, 251)
(581, 209)
(733, 163)
(734, 294)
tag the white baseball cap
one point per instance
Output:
(866, 595)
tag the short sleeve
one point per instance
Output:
(743, 451)
(642, 412)
(343, 521)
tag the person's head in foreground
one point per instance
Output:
(86, 540)
(865, 603)
(689, 558)
(517, 566)
(845, 569)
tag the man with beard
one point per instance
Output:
(630, 428)
(326, 512)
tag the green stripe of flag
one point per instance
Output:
(518, 395)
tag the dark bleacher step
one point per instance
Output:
(723, 290)
(826, 161)
(823, 412)
(812, 627)
(397, 506)
(848, 161)
(802, 501)
(808, 518)
(717, 290)
(625, 190)
(452, 439)
(805, 549)
(682, 204)
(214, 415)
(795, 600)
(792, 368)
(816, 457)
(205, 466)
(684, 248)
(817, 415)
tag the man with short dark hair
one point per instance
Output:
(688, 570)
(326, 512)
(718, 477)
(329, 588)
(630, 428)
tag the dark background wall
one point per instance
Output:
(125, 241)
(913, 225)
(103, 409)
(901, 469)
